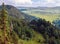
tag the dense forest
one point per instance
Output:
(20, 31)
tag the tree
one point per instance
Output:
(4, 22)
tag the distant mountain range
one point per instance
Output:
(42, 10)
(58, 7)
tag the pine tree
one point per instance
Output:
(4, 22)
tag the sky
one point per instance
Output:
(32, 3)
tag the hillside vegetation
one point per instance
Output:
(14, 30)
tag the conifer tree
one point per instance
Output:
(4, 22)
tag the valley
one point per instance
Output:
(47, 14)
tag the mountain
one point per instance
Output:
(14, 12)
(42, 8)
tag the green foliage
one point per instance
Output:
(28, 31)
(47, 30)
(35, 32)
(24, 32)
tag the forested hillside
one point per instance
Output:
(14, 30)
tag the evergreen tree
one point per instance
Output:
(4, 22)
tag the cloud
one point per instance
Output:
(23, 2)
(53, 3)
(16, 2)
(49, 3)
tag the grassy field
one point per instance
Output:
(47, 17)
(50, 18)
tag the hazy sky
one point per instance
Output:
(34, 3)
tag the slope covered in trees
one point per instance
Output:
(49, 32)
(39, 31)
(17, 31)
